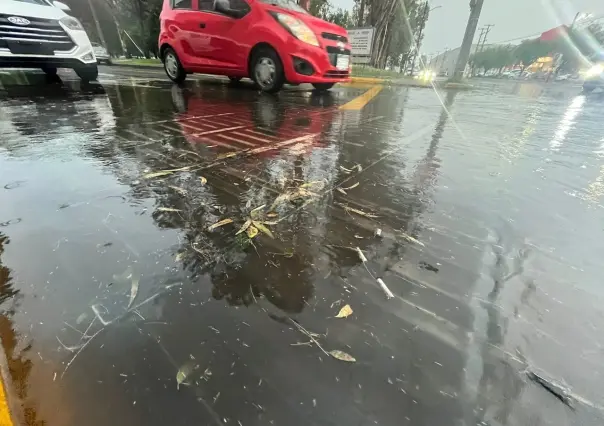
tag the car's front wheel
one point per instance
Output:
(267, 70)
(323, 87)
(173, 67)
(88, 73)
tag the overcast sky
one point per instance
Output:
(512, 18)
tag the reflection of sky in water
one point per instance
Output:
(567, 122)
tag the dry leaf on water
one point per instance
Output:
(182, 374)
(359, 212)
(252, 231)
(263, 229)
(167, 209)
(256, 210)
(203, 180)
(341, 190)
(272, 214)
(219, 224)
(351, 187)
(244, 227)
(133, 290)
(413, 240)
(346, 311)
(342, 356)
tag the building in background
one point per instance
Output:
(444, 64)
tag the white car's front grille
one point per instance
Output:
(46, 34)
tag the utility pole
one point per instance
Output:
(487, 30)
(468, 38)
(98, 24)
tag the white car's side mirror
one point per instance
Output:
(61, 6)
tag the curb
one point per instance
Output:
(11, 413)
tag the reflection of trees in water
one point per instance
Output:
(16, 354)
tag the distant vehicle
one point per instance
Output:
(563, 77)
(39, 34)
(101, 54)
(511, 74)
(270, 41)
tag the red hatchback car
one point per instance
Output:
(271, 41)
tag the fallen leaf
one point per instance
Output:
(182, 374)
(226, 155)
(203, 180)
(346, 311)
(272, 214)
(351, 187)
(167, 209)
(263, 229)
(156, 174)
(269, 222)
(251, 231)
(179, 190)
(341, 190)
(359, 212)
(256, 210)
(133, 290)
(219, 224)
(342, 356)
(179, 257)
(244, 227)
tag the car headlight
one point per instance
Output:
(595, 70)
(72, 23)
(298, 28)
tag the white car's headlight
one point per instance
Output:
(72, 23)
(298, 28)
(595, 70)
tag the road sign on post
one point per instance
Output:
(361, 41)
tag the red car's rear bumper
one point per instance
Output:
(318, 57)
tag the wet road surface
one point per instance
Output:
(124, 303)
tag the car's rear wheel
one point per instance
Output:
(323, 87)
(173, 67)
(50, 71)
(267, 70)
(88, 73)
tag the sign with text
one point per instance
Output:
(361, 40)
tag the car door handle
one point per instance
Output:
(202, 25)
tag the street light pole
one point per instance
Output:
(418, 42)
(468, 38)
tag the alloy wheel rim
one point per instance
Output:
(171, 65)
(265, 72)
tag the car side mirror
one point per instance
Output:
(61, 6)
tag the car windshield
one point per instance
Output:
(38, 2)
(286, 4)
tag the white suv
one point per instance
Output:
(39, 34)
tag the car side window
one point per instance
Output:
(206, 5)
(240, 5)
(182, 4)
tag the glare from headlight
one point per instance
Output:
(595, 70)
(72, 23)
(298, 28)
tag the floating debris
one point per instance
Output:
(256, 210)
(357, 211)
(179, 256)
(203, 180)
(344, 169)
(361, 255)
(413, 240)
(378, 232)
(183, 373)
(251, 231)
(345, 312)
(342, 356)
(263, 228)
(272, 214)
(244, 227)
(124, 276)
(341, 191)
(167, 209)
(156, 174)
(133, 290)
(384, 287)
(220, 223)
(359, 168)
(351, 187)
(558, 390)
(181, 191)
(81, 318)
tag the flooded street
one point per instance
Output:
(179, 255)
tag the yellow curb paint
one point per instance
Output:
(5, 417)
(367, 80)
(360, 101)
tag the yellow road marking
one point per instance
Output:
(360, 101)
(5, 417)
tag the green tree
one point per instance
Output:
(496, 57)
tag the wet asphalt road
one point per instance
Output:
(490, 207)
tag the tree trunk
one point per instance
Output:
(361, 14)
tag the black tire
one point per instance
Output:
(108, 62)
(50, 71)
(323, 87)
(173, 67)
(88, 73)
(266, 70)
